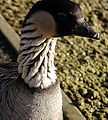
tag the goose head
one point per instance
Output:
(47, 20)
(61, 18)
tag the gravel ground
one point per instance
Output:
(82, 64)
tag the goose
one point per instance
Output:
(29, 88)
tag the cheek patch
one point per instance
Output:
(44, 22)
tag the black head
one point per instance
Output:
(68, 17)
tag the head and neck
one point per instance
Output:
(47, 20)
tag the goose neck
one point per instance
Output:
(36, 59)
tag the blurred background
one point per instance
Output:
(82, 64)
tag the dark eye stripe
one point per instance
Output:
(29, 31)
(31, 38)
(27, 24)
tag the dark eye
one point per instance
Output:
(62, 16)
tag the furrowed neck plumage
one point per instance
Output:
(37, 48)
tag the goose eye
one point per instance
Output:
(62, 16)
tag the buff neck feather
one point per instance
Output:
(36, 55)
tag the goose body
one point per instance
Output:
(19, 102)
(29, 89)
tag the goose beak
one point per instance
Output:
(84, 29)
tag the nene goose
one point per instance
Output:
(29, 89)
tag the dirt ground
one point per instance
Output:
(82, 64)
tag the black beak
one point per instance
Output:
(84, 29)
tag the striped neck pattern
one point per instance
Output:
(36, 58)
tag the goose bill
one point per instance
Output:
(84, 29)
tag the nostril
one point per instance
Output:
(97, 36)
